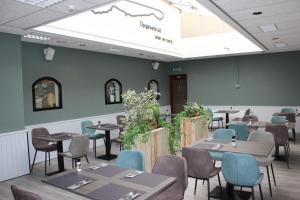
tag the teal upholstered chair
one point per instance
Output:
(213, 119)
(288, 110)
(241, 131)
(131, 160)
(279, 120)
(241, 170)
(221, 134)
(91, 133)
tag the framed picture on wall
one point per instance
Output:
(154, 85)
(113, 91)
(46, 94)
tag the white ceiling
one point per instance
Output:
(17, 18)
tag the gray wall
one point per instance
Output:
(11, 91)
(265, 80)
(83, 75)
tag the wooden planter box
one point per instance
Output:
(156, 146)
(193, 130)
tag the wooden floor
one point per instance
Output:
(288, 181)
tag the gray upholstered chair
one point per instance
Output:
(78, 148)
(173, 166)
(200, 165)
(20, 194)
(120, 122)
(265, 137)
(291, 118)
(281, 137)
(41, 145)
(247, 112)
(253, 118)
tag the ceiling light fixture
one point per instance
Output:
(280, 44)
(268, 28)
(114, 50)
(36, 37)
(257, 13)
(41, 3)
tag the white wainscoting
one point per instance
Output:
(264, 113)
(73, 126)
(13, 155)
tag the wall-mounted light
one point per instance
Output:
(155, 65)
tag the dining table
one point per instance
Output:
(58, 138)
(102, 181)
(227, 112)
(257, 149)
(107, 128)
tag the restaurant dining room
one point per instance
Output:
(149, 99)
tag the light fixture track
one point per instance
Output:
(133, 15)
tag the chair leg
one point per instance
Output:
(72, 163)
(294, 135)
(196, 181)
(270, 187)
(33, 161)
(252, 193)
(273, 174)
(208, 189)
(286, 156)
(220, 184)
(45, 163)
(218, 124)
(87, 160)
(222, 124)
(261, 194)
(94, 146)
(49, 157)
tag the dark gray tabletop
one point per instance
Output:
(110, 183)
(105, 127)
(257, 149)
(56, 137)
(227, 111)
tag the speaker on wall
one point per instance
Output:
(49, 53)
(155, 65)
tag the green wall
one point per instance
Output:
(265, 80)
(11, 90)
(83, 75)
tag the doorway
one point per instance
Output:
(178, 92)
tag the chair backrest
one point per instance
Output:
(278, 120)
(290, 117)
(199, 162)
(79, 146)
(39, 132)
(261, 136)
(247, 112)
(253, 118)
(85, 124)
(288, 110)
(20, 194)
(240, 169)
(241, 131)
(120, 121)
(131, 159)
(173, 166)
(210, 113)
(280, 133)
(224, 134)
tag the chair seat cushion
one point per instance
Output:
(215, 172)
(217, 119)
(46, 147)
(168, 195)
(265, 161)
(69, 155)
(216, 155)
(96, 136)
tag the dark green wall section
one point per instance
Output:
(11, 90)
(265, 80)
(83, 75)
